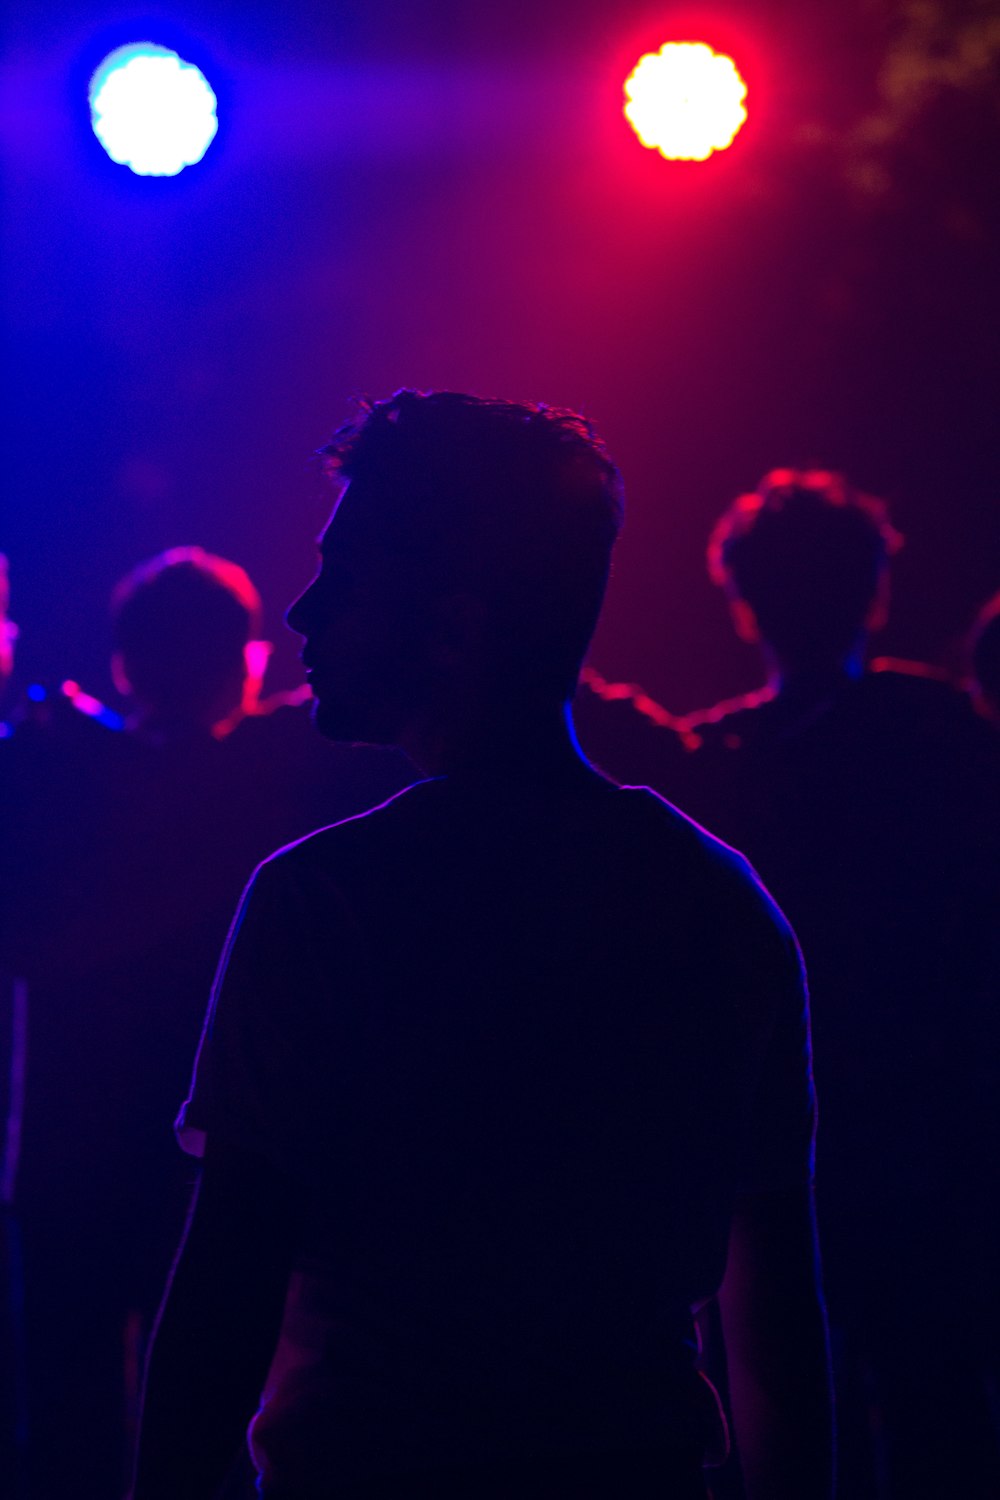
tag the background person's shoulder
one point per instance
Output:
(933, 720)
(731, 725)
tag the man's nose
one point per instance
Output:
(297, 613)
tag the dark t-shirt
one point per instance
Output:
(521, 1047)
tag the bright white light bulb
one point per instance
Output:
(685, 101)
(151, 111)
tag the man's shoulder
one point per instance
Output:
(718, 875)
(326, 847)
(919, 696)
(644, 830)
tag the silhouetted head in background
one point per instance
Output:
(183, 623)
(465, 563)
(984, 660)
(804, 562)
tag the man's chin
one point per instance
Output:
(339, 724)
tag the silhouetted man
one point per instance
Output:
(868, 802)
(492, 1075)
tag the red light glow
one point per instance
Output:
(685, 101)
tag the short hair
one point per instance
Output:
(805, 551)
(984, 651)
(517, 502)
(181, 621)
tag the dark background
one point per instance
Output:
(446, 195)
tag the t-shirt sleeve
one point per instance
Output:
(782, 1135)
(244, 1083)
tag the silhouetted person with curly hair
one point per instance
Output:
(502, 1080)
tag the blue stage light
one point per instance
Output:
(152, 111)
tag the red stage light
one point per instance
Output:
(685, 101)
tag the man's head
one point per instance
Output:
(467, 556)
(804, 561)
(182, 623)
(984, 660)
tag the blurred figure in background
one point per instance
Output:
(126, 840)
(187, 648)
(867, 799)
(984, 662)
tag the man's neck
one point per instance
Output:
(815, 678)
(528, 742)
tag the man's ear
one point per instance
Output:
(119, 676)
(458, 631)
(744, 621)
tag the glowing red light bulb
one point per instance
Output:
(685, 101)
